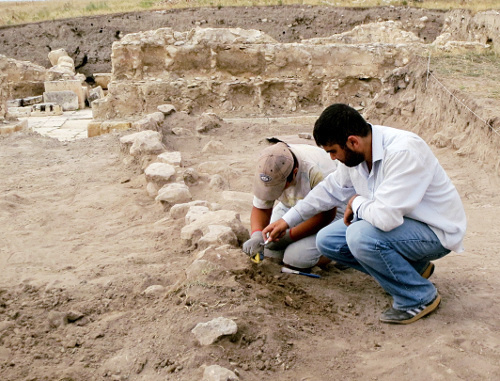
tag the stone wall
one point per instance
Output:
(243, 72)
(22, 78)
(481, 27)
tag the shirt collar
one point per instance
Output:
(377, 144)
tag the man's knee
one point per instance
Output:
(360, 238)
(302, 254)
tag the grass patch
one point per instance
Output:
(147, 3)
(93, 7)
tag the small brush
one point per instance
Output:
(290, 271)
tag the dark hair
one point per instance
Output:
(289, 179)
(336, 123)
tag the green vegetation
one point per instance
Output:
(24, 12)
(94, 7)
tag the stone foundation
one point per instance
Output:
(242, 72)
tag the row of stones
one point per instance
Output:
(206, 225)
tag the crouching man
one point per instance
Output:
(287, 173)
(402, 209)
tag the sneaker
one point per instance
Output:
(429, 270)
(395, 316)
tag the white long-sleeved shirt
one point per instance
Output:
(406, 180)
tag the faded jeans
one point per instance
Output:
(302, 254)
(395, 258)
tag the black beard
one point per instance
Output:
(352, 158)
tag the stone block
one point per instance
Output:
(208, 122)
(236, 61)
(166, 109)
(102, 79)
(15, 103)
(94, 94)
(100, 128)
(67, 99)
(109, 126)
(54, 56)
(195, 212)
(194, 231)
(180, 210)
(172, 158)
(208, 333)
(150, 122)
(94, 129)
(19, 112)
(143, 142)
(46, 109)
(218, 235)
(159, 173)
(29, 101)
(72, 85)
(171, 194)
(21, 125)
(218, 373)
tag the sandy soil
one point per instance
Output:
(80, 242)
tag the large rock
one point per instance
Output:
(106, 127)
(144, 142)
(172, 158)
(208, 333)
(208, 122)
(151, 121)
(218, 373)
(180, 210)
(159, 173)
(192, 232)
(218, 235)
(55, 55)
(175, 193)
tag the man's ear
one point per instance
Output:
(353, 142)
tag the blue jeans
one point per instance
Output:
(395, 258)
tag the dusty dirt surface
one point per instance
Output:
(80, 242)
(88, 40)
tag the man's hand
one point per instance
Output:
(282, 243)
(275, 230)
(254, 244)
(349, 213)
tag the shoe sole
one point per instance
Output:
(430, 308)
(429, 270)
